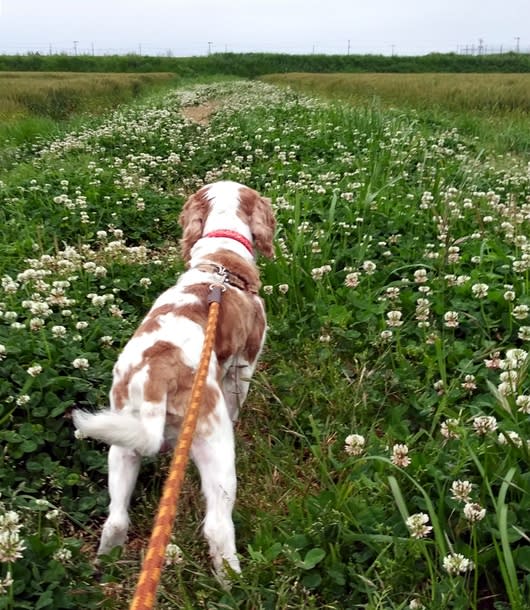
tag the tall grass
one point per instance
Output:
(59, 95)
(493, 107)
(383, 450)
(491, 93)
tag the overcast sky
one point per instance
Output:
(195, 27)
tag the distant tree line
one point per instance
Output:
(250, 65)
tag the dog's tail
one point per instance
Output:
(119, 428)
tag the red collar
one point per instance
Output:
(232, 235)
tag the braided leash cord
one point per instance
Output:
(145, 594)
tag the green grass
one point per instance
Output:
(399, 291)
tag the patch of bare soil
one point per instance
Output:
(201, 114)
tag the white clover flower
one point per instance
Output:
(62, 555)
(22, 400)
(495, 361)
(420, 276)
(81, 325)
(449, 428)
(3, 351)
(6, 583)
(392, 292)
(394, 319)
(369, 267)
(173, 555)
(58, 331)
(515, 358)
(416, 604)
(354, 444)
(283, 288)
(417, 525)
(439, 387)
(11, 545)
(509, 295)
(451, 319)
(480, 291)
(524, 333)
(319, 272)
(386, 335)
(510, 438)
(422, 309)
(473, 512)
(34, 370)
(484, 424)
(461, 490)
(400, 456)
(352, 280)
(145, 282)
(469, 383)
(80, 363)
(36, 324)
(509, 380)
(520, 312)
(456, 563)
(115, 311)
(523, 402)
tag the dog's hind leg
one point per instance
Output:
(214, 455)
(235, 386)
(124, 465)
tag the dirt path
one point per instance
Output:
(201, 114)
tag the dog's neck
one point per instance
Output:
(232, 235)
(236, 265)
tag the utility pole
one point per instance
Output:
(480, 46)
(210, 48)
(517, 41)
(75, 47)
(348, 46)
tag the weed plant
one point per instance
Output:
(383, 450)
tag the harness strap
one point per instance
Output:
(227, 277)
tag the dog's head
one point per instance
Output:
(248, 207)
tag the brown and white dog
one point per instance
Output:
(153, 376)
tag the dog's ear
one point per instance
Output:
(262, 225)
(192, 220)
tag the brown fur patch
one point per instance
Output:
(257, 212)
(192, 220)
(241, 320)
(151, 322)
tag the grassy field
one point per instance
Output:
(32, 103)
(493, 107)
(383, 450)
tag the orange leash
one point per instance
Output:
(145, 593)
